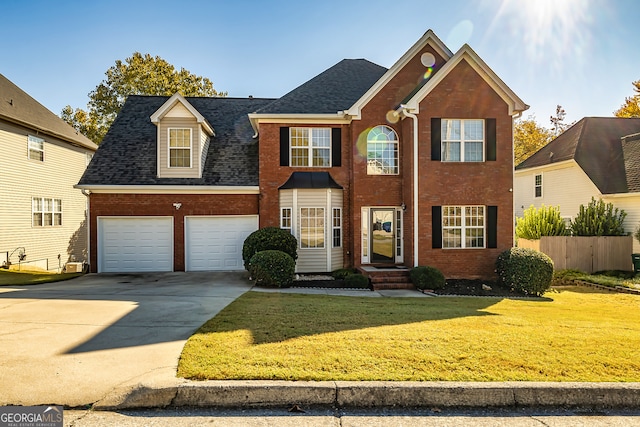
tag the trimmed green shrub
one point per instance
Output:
(269, 238)
(343, 273)
(272, 268)
(425, 277)
(355, 280)
(525, 270)
(599, 219)
(545, 221)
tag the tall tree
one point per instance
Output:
(138, 75)
(528, 137)
(631, 106)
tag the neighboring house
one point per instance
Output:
(42, 215)
(597, 157)
(367, 166)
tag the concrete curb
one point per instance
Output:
(354, 394)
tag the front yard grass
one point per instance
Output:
(573, 334)
(32, 277)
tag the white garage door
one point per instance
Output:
(135, 244)
(215, 243)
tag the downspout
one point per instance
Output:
(87, 193)
(412, 116)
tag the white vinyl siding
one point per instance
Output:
(566, 186)
(22, 179)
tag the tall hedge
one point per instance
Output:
(536, 223)
(599, 219)
(525, 270)
(269, 238)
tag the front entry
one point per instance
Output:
(382, 235)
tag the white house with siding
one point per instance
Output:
(597, 157)
(43, 218)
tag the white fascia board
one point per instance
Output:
(171, 102)
(170, 189)
(516, 105)
(336, 118)
(548, 167)
(429, 38)
(620, 195)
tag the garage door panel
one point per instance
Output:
(215, 243)
(135, 244)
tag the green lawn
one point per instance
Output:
(573, 334)
(32, 277)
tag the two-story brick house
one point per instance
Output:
(411, 165)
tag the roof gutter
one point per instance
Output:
(169, 189)
(405, 112)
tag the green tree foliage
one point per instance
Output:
(536, 223)
(528, 137)
(138, 75)
(631, 106)
(598, 219)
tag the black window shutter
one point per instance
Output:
(284, 146)
(490, 129)
(436, 138)
(492, 226)
(336, 147)
(436, 227)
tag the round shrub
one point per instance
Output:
(356, 281)
(343, 273)
(272, 268)
(425, 277)
(525, 270)
(269, 238)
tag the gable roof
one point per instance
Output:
(465, 53)
(332, 91)
(128, 154)
(429, 38)
(595, 144)
(171, 102)
(18, 107)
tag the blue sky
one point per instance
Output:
(582, 54)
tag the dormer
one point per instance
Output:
(183, 136)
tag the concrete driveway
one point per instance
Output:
(74, 342)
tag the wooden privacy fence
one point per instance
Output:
(588, 254)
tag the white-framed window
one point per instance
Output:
(538, 186)
(36, 148)
(382, 151)
(179, 147)
(310, 147)
(337, 227)
(312, 228)
(462, 140)
(285, 219)
(463, 227)
(46, 212)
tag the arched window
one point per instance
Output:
(382, 151)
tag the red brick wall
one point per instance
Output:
(162, 205)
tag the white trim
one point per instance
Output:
(337, 118)
(548, 167)
(35, 140)
(170, 189)
(171, 102)
(429, 38)
(310, 147)
(516, 105)
(535, 185)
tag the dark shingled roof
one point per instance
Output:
(631, 153)
(18, 107)
(595, 144)
(331, 91)
(310, 180)
(128, 155)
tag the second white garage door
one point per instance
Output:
(215, 242)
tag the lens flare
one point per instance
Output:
(392, 116)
